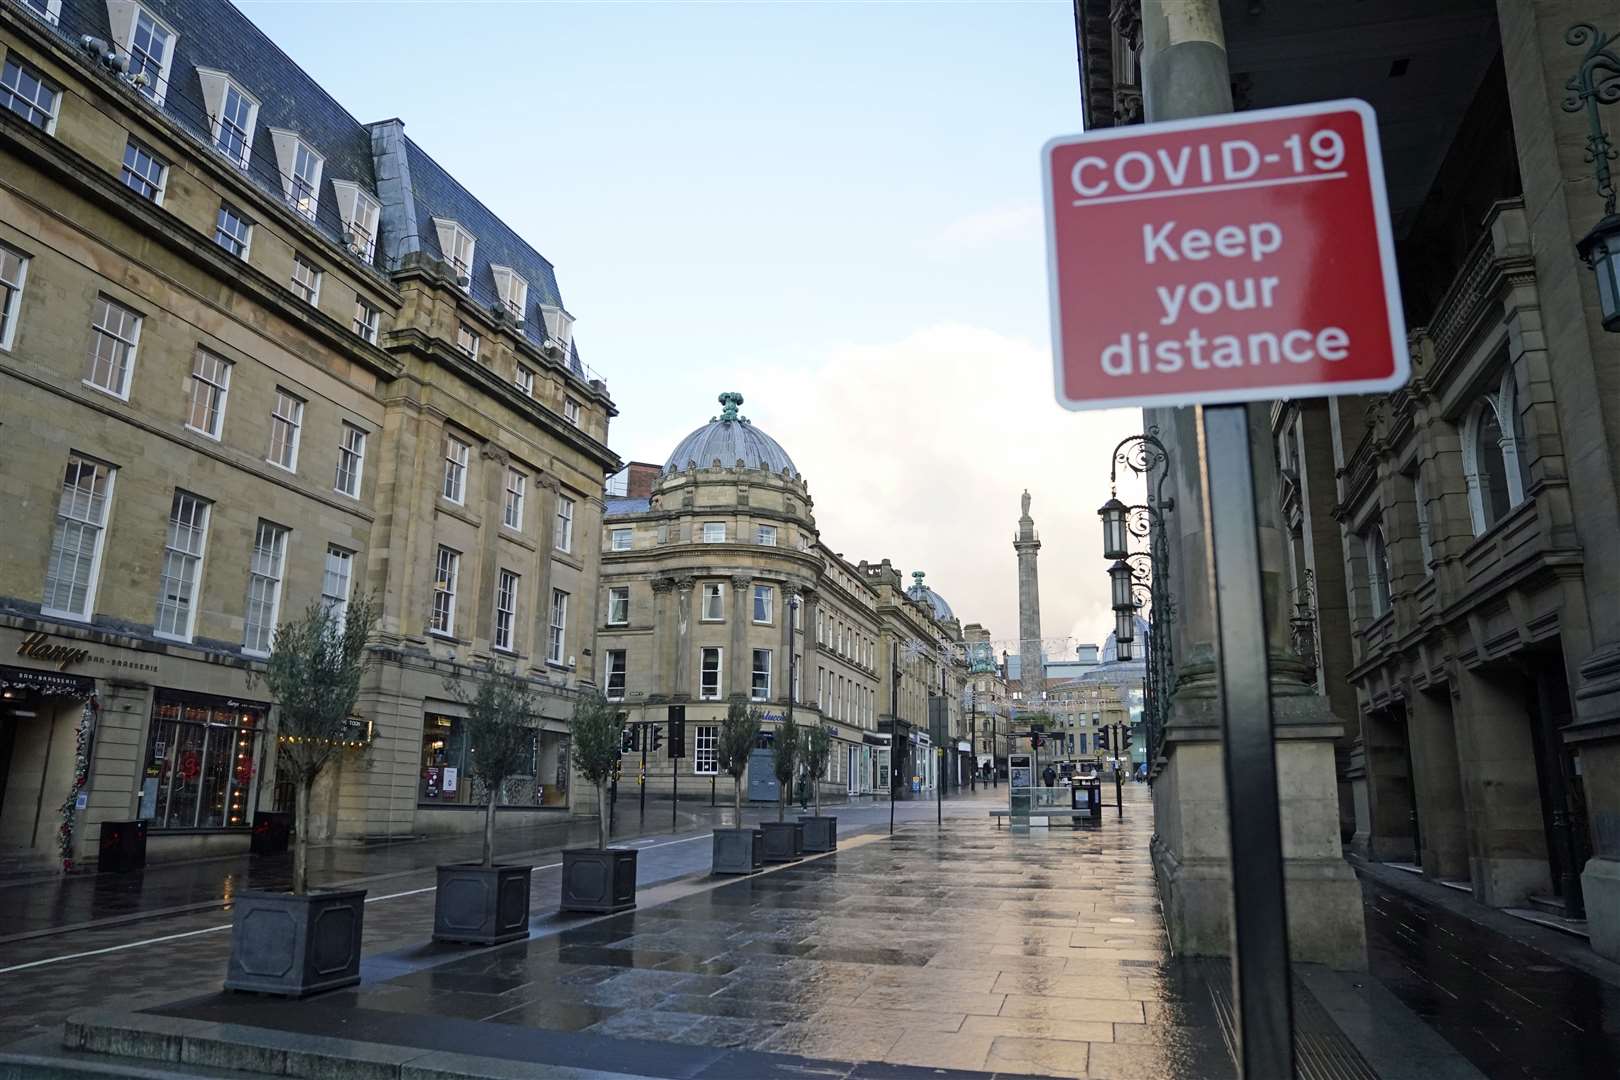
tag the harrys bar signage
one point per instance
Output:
(1229, 258)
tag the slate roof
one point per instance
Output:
(216, 34)
(942, 610)
(438, 194)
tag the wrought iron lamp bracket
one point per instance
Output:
(1596, 82)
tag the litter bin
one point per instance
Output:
(122, 847)
(271, 829)
(1086, 794)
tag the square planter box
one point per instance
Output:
(820, 833)
(784, 841)
(485, 905)
(738, 851)
(122, 847)
(599, 879)
(296, 945)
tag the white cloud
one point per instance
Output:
(917, 450)
(976, 232)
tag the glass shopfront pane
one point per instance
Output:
(202, 763)
(444, 761)
(446, 756)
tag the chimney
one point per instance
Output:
(642, 479)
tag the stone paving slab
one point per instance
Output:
(938, 950)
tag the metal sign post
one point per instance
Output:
(1260, 976)
(1255, 260)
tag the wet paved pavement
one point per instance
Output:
(42, 902)
(43, 978)
(966, 948)
(1512, 1010)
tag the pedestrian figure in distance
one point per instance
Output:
(1050, 776)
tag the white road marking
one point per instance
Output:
(227, 926)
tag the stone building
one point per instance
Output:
(1445, 580)
(717, 586)
(989, 701)
(256, 354)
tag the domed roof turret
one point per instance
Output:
(730, 441)
(920, 592)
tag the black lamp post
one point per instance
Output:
(1597, 82)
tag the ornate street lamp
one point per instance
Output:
(1597, 82)
(1124, 650)
(1116, 541)
(1119, 582)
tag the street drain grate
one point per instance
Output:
(1321, 1050)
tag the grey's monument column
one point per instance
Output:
(1028, 545)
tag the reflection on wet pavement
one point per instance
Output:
(1511, 1010)
(972, 949)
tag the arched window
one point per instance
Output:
(1377, 570)
(1492, 462)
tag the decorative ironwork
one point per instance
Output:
(1596, 82)
(1150, 578)
(1302, 625)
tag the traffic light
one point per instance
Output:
(1125, 740)
(1102, 739)
(677, 731)
(627, 740)
(657, 732)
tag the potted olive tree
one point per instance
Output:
(302, 942)
(784, 840)
(483, 902)
(602, 878)
(737, 850)
(820, 833)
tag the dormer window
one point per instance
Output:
(512, 289)
(147, 43)
(359, 212)
(300, 168)
(49, 10)
(457, 245)
(231, 112)
(559, 325)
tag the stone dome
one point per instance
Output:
(731, 441)
(1139, 647)
(919, 591)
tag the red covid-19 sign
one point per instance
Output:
(1229, 258)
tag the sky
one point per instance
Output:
(830, 208)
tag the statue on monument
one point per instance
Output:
(1025, 501)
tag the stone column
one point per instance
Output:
(1561, 205)
(1507, 844)
(493, 461)
(682, 689)
(1185, 74)
(784, 687)
(546, 489)
(1324, 548)
(741, 611)
(1028, 545)
(1437, 785)
(664, 687)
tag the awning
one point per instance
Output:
(46, 683)
(875, 738)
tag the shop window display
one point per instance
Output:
(202, 763)
(446, 781)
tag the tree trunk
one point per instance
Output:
(489, 828)
(602, 813)
(815, 793)
(782, 798)
(300, 878)
(736, 799)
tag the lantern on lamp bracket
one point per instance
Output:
(1597, 82)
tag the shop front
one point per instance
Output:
(446, 789)
(100, 727)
